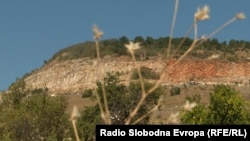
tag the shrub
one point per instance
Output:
(226, 106)
(146, 74)
(87, 93)
(121, 100)
(37, 117)
(175, 90)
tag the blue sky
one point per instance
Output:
(31, 31)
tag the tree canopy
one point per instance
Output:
(227, 106)
(153, 47)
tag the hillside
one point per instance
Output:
(73, 69)
(75, 75)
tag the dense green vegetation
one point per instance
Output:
(32, 115)
(121, 100)
(157, 47)
(227, 106)
(37, 116)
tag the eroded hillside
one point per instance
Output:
(75, 68)
(73, 76)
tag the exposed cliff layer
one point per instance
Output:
(74, 75)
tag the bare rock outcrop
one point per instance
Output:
(75, 75)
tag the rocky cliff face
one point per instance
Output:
(210, 72)
(75, 75)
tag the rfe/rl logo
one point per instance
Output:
(226, 132)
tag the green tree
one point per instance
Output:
(139, 39)
(123, 40)
(32, 114)
(226, 106)
(38, 117)
(119, 47)
(16, 92)
(198, 115)
(87, 122)
(175, 90)
(149, 41)
(121, 100)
